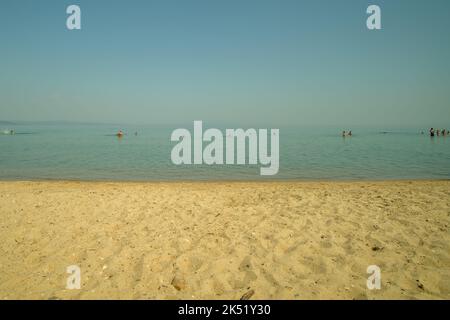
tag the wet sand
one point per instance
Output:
(221, 240)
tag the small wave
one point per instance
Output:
(15, 133)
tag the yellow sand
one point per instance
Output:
(219, 240)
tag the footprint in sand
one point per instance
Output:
(248, 277)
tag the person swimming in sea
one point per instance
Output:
(119, 134)
(349, 133)
(8, 132)
(343, 133)
(431, 132)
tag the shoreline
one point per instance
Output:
(193, 181)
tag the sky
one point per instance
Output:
(277, 62)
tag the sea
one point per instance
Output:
(93, 152)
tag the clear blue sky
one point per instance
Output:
(239, 61)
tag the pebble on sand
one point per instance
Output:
(178, 282)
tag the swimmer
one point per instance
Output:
(431, 132)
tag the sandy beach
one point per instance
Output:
(221, 240)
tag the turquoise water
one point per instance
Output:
(92, 152)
